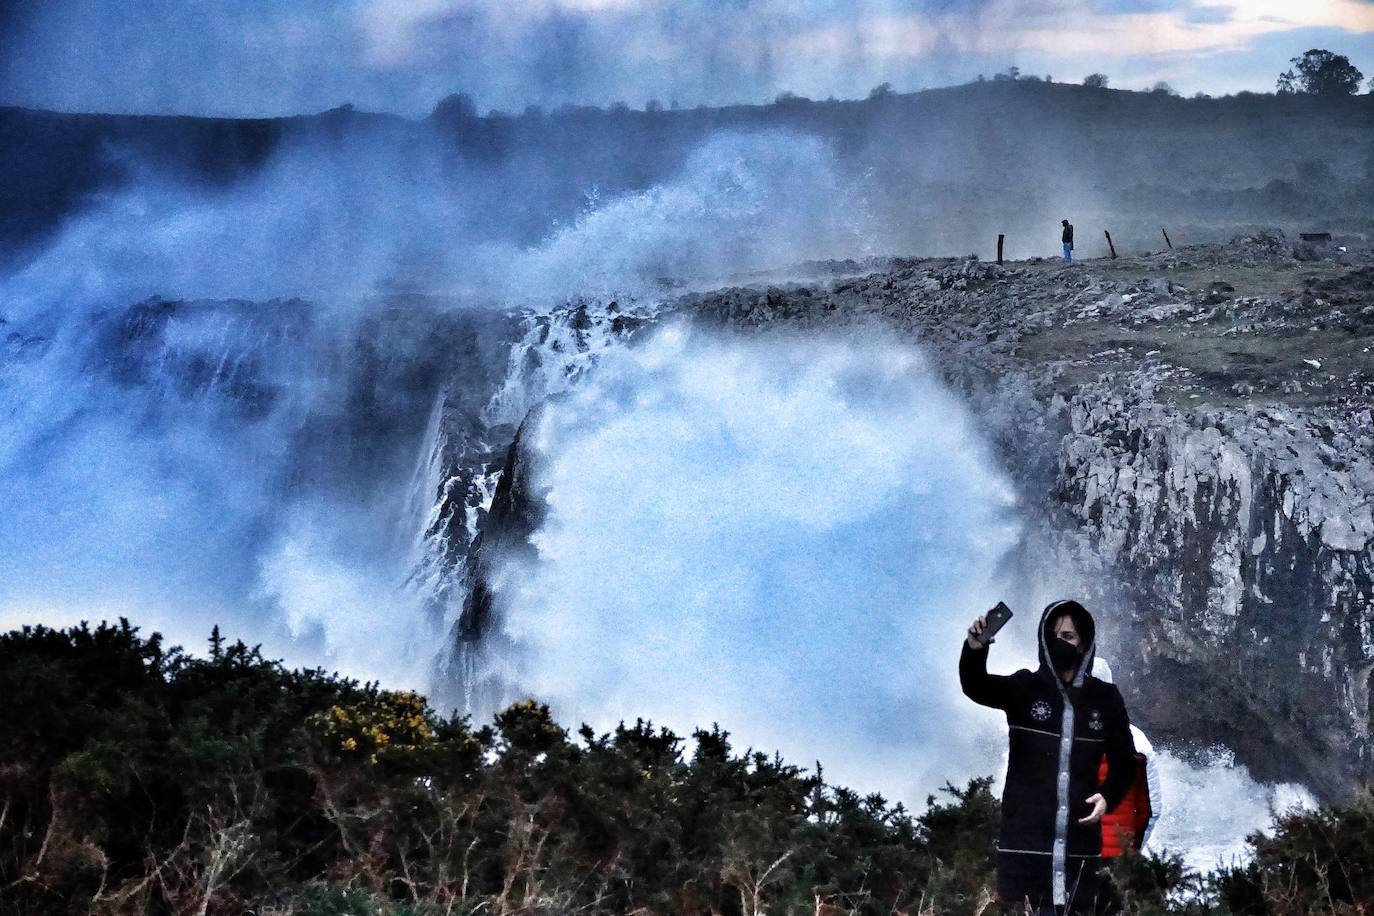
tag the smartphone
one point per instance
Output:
(997, 618)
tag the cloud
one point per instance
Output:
(1082, 27)
(404, 55)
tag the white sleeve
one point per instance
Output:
(1156, 797)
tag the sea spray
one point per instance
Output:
(783, 534)
(182, 446)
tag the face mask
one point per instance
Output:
(1063, 656)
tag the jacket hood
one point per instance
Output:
(1087, 629)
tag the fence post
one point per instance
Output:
(1166, 237)
(1109, 242)
(1000, 237)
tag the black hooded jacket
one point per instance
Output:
(1058, 733)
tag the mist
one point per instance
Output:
(220, 401)
(354, 202)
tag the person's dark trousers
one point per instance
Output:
(1107, 904)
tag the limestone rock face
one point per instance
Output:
(1240, 540)
(515, 511)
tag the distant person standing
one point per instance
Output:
(1068, 242)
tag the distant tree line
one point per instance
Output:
(135, 778)
(1317, 72)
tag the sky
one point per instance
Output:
(268, 57)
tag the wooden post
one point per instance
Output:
(1166, 237)
(1000, 237)
(1109, 242)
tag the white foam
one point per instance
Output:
(785, 535)
(1211, 804)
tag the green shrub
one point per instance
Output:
(1156, 883)
(137, 779)
(1313, 862)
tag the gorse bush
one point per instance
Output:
(1314, 862)
(137, 779)
(377, 723)
(1152, 884)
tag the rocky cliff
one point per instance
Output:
(1192, 434)
(485, 503)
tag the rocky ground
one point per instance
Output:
(1194, 430)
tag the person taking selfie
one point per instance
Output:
(1060, 721)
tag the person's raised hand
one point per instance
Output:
(1099, 808)
(975, 631)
